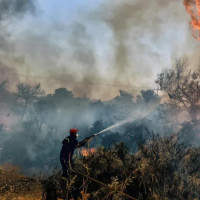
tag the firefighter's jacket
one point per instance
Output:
(67, 151)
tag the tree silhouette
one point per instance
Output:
(149, 96)
(182, 85)
(27, 94)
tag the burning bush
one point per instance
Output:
(88, 152)
(163, 168)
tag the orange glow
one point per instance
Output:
(193, 9)
(88, 152)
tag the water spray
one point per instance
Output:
(137, 116)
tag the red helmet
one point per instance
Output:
(73, 131)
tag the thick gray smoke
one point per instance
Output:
(15, 8)
(119, 44)
(36, 128)
(11, 10)
(142, 33)
(8, 74)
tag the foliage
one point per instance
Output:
(112, 138)
(27, 93)
(182, 85)
(40, 122)
(193, 129)
(2, 84)
(149, 96)
(163, 168)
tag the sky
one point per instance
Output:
(93, 48)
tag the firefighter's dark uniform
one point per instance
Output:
(70, 143)
(66, 153)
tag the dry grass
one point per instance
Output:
(14, 186)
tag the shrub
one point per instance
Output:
(163, 168)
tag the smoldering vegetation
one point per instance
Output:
(33, 123)
(163, 168)
(156, 157)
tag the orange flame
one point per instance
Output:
(193, 8)
(88, 152)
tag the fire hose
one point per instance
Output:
(103, 131)
(99, 182)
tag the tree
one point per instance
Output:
(62, 94)
(149, 96)
(111, 139)
(122, 105)
(2, 84)
(2, 88)
(28, 94)
(182, 85)
(97, 127)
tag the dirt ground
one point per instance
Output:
(18, 187)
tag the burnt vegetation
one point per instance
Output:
(163, 168)
(156, 157)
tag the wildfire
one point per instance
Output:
(193, 8)
(88, 152)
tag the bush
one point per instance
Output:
(163, 168)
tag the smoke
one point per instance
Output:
(142, 39)
(146, 37)
(8, 74)
(10, 10)
(48, 119)
(82, 52)
(119, 45)
(135, 116)
(13, 8)
(116, 45)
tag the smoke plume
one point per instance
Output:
(8, 74)
(116, 45)
(13, 8)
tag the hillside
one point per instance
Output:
(18, 187)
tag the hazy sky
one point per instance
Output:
(93, 48)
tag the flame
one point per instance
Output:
(88, 152)
(193, 9)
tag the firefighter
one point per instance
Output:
(70, 143)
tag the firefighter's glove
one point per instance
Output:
(87, 139)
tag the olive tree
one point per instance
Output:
(182, 85)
